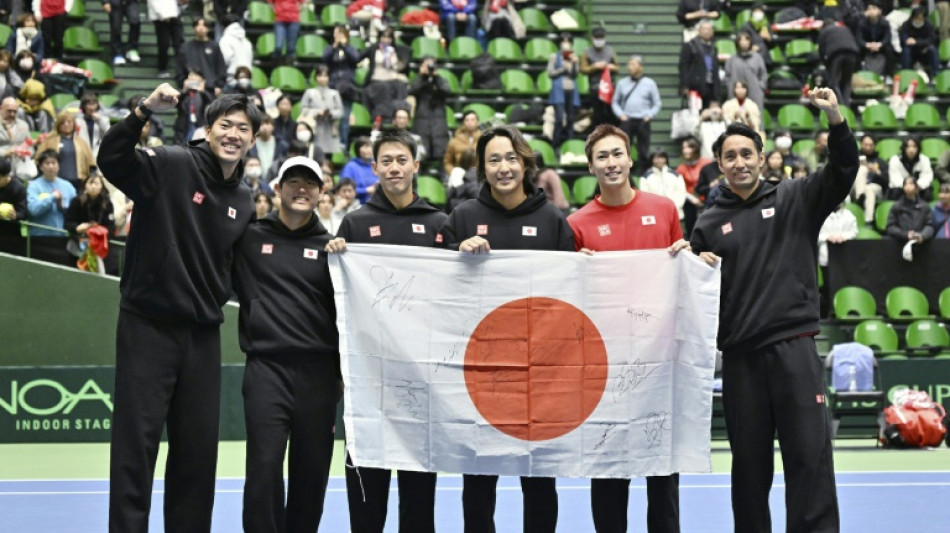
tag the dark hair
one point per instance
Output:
(522, 149)
(305, 125)
(361, 142)
(297, 147)
(769, 155)
(800, 165)
(659, 153)
(89, 98)
(233, 103)
(737, 128)
(5, 166)
(321, 69)
(467, 113)
(602, 131)
(229, 19)
(868, 135)
(243, 70)
(259, 194)
(21, 20)
(468, 159)
(285, 97)
(194, 23)
(266, 119)
(344, 182)
(944, 187)
(565, 36)
(102, 201)
(399, 108)
(395, 136)
(47, 154)
(693, 143)
(919, 11)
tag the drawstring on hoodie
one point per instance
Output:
(349, 464)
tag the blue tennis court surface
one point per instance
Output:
(916, 500)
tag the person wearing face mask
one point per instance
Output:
(919, 42)
(10, 82)
(596, 58)
(26, 37)
(236, 49)
(758, 28)
(242, 85)
(321, 107)
(783, 145)
(191, 107)
(749, 67)
(25, 66)
(562, 69)
(305, 135)
(252, 175)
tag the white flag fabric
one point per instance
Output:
(527, 363)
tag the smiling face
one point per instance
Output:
(504, 170)
(740, 162)
(611, 163)
(230, 138)
(395, 166)
(299, 191)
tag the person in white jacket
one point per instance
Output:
(840, 226)
(321, 107)
(165, 16)
(235, 47)
(659, 179)
(910, 164)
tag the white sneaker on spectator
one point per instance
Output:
(118, 60)
(164, 75)
(133, 56)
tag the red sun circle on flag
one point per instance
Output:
(536, 368)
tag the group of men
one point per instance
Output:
(195, 238)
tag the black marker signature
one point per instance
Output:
(390, 292)
(630, 378)
(656, 424)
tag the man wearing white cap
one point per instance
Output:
(287, 328)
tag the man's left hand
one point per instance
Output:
(825, 99)
(679, 246)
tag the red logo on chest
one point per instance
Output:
(198, 198)
(375, 231)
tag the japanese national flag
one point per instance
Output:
(526, 362)
(310, 253)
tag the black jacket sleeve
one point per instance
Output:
(73, 214)
(122, 164)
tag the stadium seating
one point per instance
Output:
(922, 116)
(796, 117)
(858, 213)
(332, 15)
(944, 303)
(928, 335)
(878, 335)
(426, 46)
(517, 82)
(880, 214)
(879, 117)
(848, 117)
(907, 303)
(539, 50)
(260, 14)
(535, 21)
(464, 49)
(854, 304)
(431, 189)
(80, 40)
(101, 72)
(504, 50)
(287, 78)
(484, 112)
(584, 188)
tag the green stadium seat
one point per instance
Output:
(357, 43)
(539, 50)
(5, 32)
(485, 112)
(535, 21)
(777, 55)
(866, 233)
(742, 17)
(431, 189)
(796, 117)
(582, 26)
(61, 100)
(887, 148)
(858, 213)
(81, 40)
(260, 14)
(725, 48)
(547, 151)
(580, 45)
(544, 83)
(854, 304)
(505, 50)
(907, 303)
(928, 335)
(803, 146)
(880, 214)
(584, 188)
(451, 78)
(879, 117)
(77, 13)
(450, 119)
(265, 45)
(784, 73)
(576, 147)
(877, 87)
(908, 75)
(801, 52)
(288, 79)
(108, 100)
(295, 110)
(876, 334)
(534, 127)
(943, 303)
(332, 15)
(942, 83)
(922, 116)
(308, 17)
(310, 47)
(426, 46)
(466, 86)
(361, 118)
(944, 50)
(566, 191)
(848, 117)
(102, 74)
(258, 78)
(464, 48)
(517, 82)
(723, 25)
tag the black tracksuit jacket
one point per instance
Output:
(379, 222)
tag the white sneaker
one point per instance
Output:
(118, 60)
(133, 56)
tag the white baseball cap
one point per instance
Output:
(300, 161)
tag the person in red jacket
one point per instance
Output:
(53, 25)
(286, 29)
(692, 164)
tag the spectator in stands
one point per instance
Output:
(910, 218)
(463, 180)
(342, 59)
(129, 10)
(252, 174)
(775, 169)
(285, 127)
(699, 65)
(25, 67)
(693, 163)
(13, 133)
(710, 126)
(840, 226)
(563, 67)
(305, 135)
(48, 196)
(548, 180)
(909, 164)
(707, 188)
(192, 102)
(345, 193)
(75, 156)
(875, 41)
(599, 56)
(872, 178)
(326, 214)
(52, 13)
(35, 108)
(919, 42)
(386, 87)
(740, 108)
(367, 15)
(783, 145)
(800, 170)
(321, 107)
(691, 12)
(465, 139)
(431, 92)
(147, 140)
(758, 27)
(286, 29)
(90, 123)
(360, 170)
(166, 18)
(91, 208)
(204, 56)
(10, 82)
(243, 85)
(636, 101)
(497, 17)
(26, 37)
(660, 179)
(13, 208)
(262, 204)
(749, 67)
(269, 147)
(817, 156)
(400, 121)
(236, 49)
(839, 51)
(941, 211)
(459, 13)
(942, 170)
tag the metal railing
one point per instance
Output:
(115, 246)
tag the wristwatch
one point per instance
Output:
(145, 111)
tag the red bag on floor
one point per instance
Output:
(914, 421)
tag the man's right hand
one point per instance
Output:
(336, 246)
(710, 258)
(164, 97)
